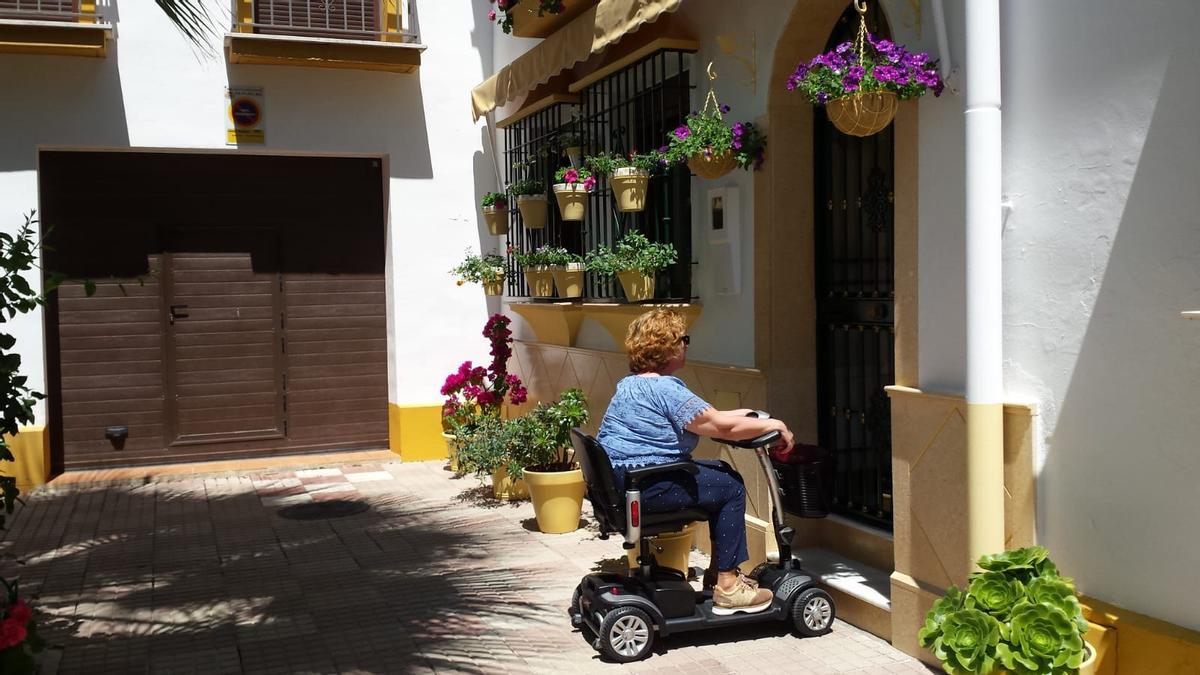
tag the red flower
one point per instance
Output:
(11, 633)
(20, 612)
(491, 15)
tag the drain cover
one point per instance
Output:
(336, 508)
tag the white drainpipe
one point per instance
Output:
(985, 375)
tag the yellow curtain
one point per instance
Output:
(589, 33)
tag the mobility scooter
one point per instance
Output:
(625, 612)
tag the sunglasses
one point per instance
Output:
(686, 339)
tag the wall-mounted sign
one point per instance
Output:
(244, 112)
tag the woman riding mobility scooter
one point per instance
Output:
(624, 612)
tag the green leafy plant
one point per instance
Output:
(527, 186)
(543, 440)
(1017, 614)
(706, 133)
(495, 200)
(539, 257)
(476, 269)
(562, 257)
(633, 252)
(606, 163)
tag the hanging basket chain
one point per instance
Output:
(711, 99)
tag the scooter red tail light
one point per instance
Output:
(635, 514)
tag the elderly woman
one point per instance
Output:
(654, 418)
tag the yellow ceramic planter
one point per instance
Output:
(496, 219)
(637, 286)
(452, 450)
(541, 282)
(629, 188)
(670, 549)
(533, 211)
(572, 200)
(494, 287)
(569, 280)
(507, 489)
(557, 499)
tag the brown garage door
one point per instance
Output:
(236, 339)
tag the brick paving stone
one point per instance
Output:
(200, 574)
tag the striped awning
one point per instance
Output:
(587, 34)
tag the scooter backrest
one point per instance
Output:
(608, 503)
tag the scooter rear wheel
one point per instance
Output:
(813, 612)
(626, 635)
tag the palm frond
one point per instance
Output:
(193, 20)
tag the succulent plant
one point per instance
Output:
(1041, 639)
(968, 642)
(994, 593)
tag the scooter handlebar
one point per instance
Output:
(769, 438)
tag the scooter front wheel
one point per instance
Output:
(626, 635)
(813, 612)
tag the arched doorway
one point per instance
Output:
(854, 286)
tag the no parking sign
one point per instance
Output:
(244, 116)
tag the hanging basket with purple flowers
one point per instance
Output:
(861, 82)
(710, 146)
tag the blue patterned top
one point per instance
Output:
(645, 421)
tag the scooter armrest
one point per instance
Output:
(635, 476)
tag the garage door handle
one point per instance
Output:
(177, 314)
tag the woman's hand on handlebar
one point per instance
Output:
(786, 442)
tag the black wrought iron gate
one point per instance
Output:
(855, 300)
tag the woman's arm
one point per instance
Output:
(735, 425)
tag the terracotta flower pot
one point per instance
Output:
(541, 281)
(572, 200)
(496, 219)
(569, 280)
(638, 286)
(533, 210)
(508, 489)
(629, 188)
(557, 499)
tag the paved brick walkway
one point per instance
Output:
(202, 574)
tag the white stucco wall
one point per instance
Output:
(1101, 253)
(154, 90)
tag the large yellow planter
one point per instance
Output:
(533, 211)
(541, 282)
(629, 188)
(572, 200)
(508, 489)
(637, 286)
(557, 499)
(569, 280)
(670, 549)
(496, 219)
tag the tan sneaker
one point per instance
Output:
(710, 579)
(740, 598)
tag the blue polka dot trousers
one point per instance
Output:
(717, 489)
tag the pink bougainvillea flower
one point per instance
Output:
(502, 4)
(12, 632)
(572, 176)
(589, 183)
(491, 15)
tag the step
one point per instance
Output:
(862, 593)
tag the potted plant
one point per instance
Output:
(491, 448)
(487, 270)
(531, 202)
(629, 176)
(538, 274)
(547, 464)
(634, 261)
(475, 394)
(711, 147)
(571, 188)
(568, 269)
(1018, 615)
(861, 82)
(495, 212)
(19, 641)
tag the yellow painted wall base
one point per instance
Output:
(1143, 644)
(415, 432)
(31, 447)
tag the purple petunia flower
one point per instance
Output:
(887, 73)
(725, 109)
(844, 47)
(663, 150)
(739, 129)
(737, 144)
(682, 132)
(916, 60)
(822, 97)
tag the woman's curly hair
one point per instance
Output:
(653, 339)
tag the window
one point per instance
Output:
(630, 109)
(40, 10)
(346, 19)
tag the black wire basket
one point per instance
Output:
(807, 481)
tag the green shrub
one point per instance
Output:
(633, 252)
(476, 269)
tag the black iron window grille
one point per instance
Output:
(630, 110)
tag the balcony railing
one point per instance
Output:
(338, 19)
(41, 10)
